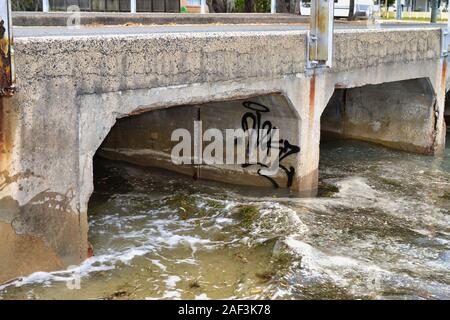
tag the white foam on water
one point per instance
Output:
(171, 281)
(159, 264)
(356, 187)
(339, 269)
(276, 220)
(172, 294)
(151, 240)
(137, 235)
(186, 261)
(202, 296)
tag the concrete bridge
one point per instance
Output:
(121, 95)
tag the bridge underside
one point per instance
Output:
(400, 115)
(123, 96)
(146, 139)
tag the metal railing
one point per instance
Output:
(132, 6)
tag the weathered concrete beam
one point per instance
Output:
(397, 114)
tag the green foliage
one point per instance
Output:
(259, 6)
(26, 5)
(390, 2)
(239, 5)
(262, 6)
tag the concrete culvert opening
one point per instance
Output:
(358, 123)
(141, 144)
(214, 148)
(400, 115)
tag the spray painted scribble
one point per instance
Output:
(253, 120)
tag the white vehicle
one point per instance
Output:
(363, 8)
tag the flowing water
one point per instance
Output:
(379, 229)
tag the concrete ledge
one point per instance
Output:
(115, 18)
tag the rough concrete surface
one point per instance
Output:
(72, 90)
(145, 139)
(396, 114)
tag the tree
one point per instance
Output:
(351, 10)
(297, 7)
(249, 5)
(221, 6)
(25, 5)
(282, 6)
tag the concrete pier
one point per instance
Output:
(122, 94)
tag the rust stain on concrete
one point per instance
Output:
(306, 186)
(24, 254)
(7, 129)
(49, 216)
(7, 75)
(2, 132)
(43, 235)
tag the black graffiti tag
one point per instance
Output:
(253, 120)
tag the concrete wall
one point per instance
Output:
(397, 114)
(73, 90)
(145, 139)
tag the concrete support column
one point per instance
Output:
(440, 109)
(133, 6)
(45, 6)
(41, 226)
(309, 97)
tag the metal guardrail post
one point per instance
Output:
(203, 6)
(133, 6)
(434, 11)
(320, 38)
(45, 6)
(7, 75)
(398, 13)
(273, 6)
